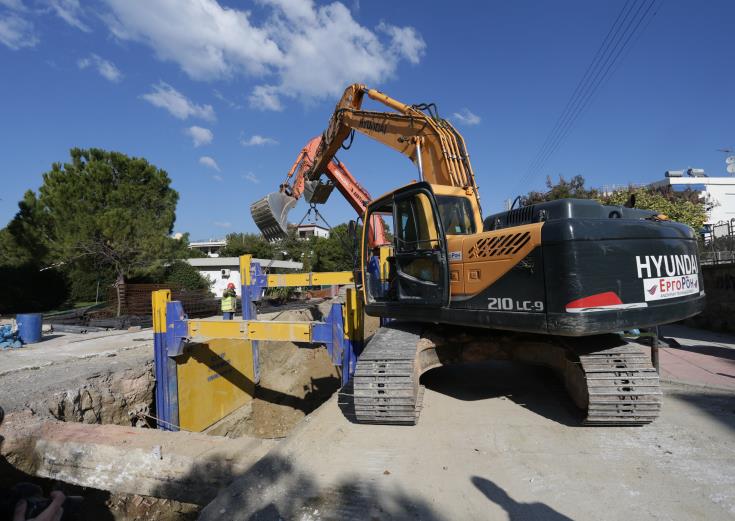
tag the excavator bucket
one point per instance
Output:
(271, 214)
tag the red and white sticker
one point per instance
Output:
(670, 287)
(608, 301)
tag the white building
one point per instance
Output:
(304, 231)
(210, 248)
(222, 270)
(718, 191)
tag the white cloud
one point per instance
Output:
(16, 5)
(199, 135)
(71, 12)
(218, 178)
(166, 97)
(251, 177)
(257, 141)
(405, 42)
(209, 162)
(467, 117)
(17, 32)
(226, 100)
(223, 224)
(105, 68)
(265, 97)
(301, 50)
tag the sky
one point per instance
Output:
(223, 94)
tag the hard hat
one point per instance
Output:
(231, 286)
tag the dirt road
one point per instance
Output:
(498, 441)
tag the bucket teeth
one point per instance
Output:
(271, 214)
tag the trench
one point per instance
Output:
(295, 380)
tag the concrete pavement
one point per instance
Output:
(65, 347)
(698, 357)
(498, 441)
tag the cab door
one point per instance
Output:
(418, 266)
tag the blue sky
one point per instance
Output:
(222, 95)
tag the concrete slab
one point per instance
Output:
(497, 441)
(183, 466)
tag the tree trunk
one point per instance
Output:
(119, 284)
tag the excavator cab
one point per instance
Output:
(415, 270)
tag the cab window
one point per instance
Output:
(415, 226)
(456, 214)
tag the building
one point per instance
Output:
(305, 231)
(222, 270)
(210, 248)
(719, 192)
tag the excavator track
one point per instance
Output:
(613, 380)
(623, 386)
(385, 386)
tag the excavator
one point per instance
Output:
(271, 213)
(553, 283)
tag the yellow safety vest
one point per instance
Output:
(229, 303)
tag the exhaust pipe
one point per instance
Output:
(271, 215)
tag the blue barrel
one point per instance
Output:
(29, 327)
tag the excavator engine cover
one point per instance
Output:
(317, 192)
(271, 214)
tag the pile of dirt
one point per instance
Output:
(294, 380)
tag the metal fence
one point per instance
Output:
(718, 243)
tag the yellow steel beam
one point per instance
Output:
(282, 331)
(282, 280)
(332, 277)
(159, 299)
(327, 278)
(245, 261)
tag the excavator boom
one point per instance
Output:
(416, 131)
(271, 213)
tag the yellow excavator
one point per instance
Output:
(553, 283)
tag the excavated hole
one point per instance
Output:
(295, 380)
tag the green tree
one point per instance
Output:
(676, 207)
(682, 206)
(335, 252)
(563, 189)
(185, 275)
(109, 209)
(247, 243)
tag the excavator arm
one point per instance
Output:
(416, 131)
(270, 213)
(430, 142)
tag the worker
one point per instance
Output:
(229, 302)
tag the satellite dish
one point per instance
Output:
(730, 160)
(731, 168)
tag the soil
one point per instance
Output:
(294, 381)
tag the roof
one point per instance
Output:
(234, 262)
(202, 244)
(694, 181)
(302, 226)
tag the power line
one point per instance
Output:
(601, 51)
(606, 58)
(595, 87)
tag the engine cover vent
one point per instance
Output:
(499, 246)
